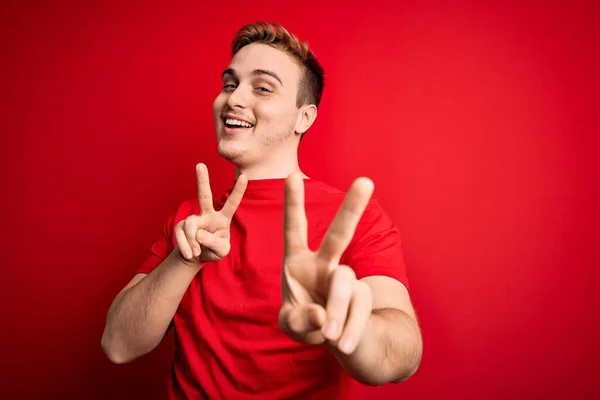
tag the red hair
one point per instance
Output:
(313, 79)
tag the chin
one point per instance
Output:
(233, 152)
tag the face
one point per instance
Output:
(255, 112)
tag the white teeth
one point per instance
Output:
(237, 122)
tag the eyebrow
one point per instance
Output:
(256, 72)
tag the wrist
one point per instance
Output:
(176, 261)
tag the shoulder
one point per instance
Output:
(322, 192)
(316, 187)
(375, 212)
(184, 210)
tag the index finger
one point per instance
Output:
(235, 198)
(344, 224)
(295, 225)
(204, 193)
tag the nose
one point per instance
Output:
(237, 98)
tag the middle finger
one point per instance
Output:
(338, 301)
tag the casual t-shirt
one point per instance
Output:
(228, 344)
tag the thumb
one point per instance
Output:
(303, 322)
(218, 245)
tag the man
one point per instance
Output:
(258, 314)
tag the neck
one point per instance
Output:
(281, 165)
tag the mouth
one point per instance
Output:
(234, 123)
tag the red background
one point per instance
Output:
(476, 122)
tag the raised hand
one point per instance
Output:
(322, 300)
(205, 237)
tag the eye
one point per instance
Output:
(229, 86)
(263, 89)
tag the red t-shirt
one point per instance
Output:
(227, 338)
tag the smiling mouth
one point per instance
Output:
(233, 123)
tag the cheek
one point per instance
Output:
(220, 100)
(275, 113)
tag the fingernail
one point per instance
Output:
(188, 255)
(331, 329)
(346, 345)
(196, 252)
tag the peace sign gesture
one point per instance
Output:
(323, 300)
(205, 237)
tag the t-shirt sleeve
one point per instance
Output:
(376, 247)
(165, 244)
(160, 249)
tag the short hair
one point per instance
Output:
(311, 85)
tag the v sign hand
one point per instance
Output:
(322, 300)
(205, 237)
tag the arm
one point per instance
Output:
(368, 324)
(140, 315)
(391, 346)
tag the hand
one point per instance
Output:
(205, 237)
(322, 300)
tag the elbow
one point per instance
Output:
(372, 380)
(112, 352)
(411, 368)
(406, 375)
(382, 379)
(389, 374)
(396, 368)
(117, 358)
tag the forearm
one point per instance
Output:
(139, 317)
(390, 349)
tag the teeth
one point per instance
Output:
(237, 122)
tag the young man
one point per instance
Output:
(257, 313)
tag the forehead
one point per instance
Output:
(258, 56)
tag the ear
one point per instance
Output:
(306, 116)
